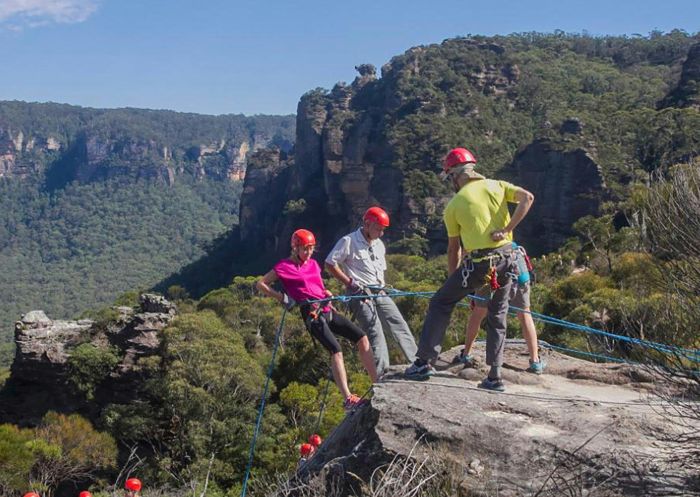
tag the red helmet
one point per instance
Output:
(456, 157)
(315, 440)
(84, 493)
(306, 450)
(377, 215)
(133, 484)
(302, 238)
(31, 494)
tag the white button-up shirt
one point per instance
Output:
(365, 263)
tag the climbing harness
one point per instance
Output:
(492, 279)
(493, 256)
(467, 270)
(316, 311)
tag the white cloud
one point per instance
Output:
(18, 14)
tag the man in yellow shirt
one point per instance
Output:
(479, 224)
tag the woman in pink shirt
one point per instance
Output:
(300, 276)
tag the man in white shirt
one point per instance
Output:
(358, 262)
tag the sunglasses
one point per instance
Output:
(371, 254)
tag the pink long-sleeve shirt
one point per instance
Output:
(301, 282)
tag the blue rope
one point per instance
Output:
(589, 354)
(262, 405)
(690, 354)
(587, 329)
(323, 405)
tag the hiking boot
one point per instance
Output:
(419, 370)
(467, 359)
(493, 385)
(536, 367)
(352, 402)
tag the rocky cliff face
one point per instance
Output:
(337, 170)
(40, 373)
(567, 186)
(20, 157)
(687, 93)
(582, 427)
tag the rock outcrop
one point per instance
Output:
(585, 426)
(567, 186)
(336, 170)
(40, 373)
(12, 148)
(43, 347)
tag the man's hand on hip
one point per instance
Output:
(499, 235)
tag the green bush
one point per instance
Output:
(88, 366)
(16, 459)
(61, 449)
(7, 354)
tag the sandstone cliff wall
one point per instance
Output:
(71, 143)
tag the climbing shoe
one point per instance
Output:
(352, 402)
(536, 367)
(419, 370)
(466, 359)
(493, 385)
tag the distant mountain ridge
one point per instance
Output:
(69, 143)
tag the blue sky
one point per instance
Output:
(240, 56)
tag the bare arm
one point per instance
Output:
(454, 254)
(264, 283)
(524, 199)
(338, 274)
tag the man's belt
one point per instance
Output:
(481, 255)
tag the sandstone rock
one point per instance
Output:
(567, 186)
(597, 433)
(43, 347)
(343, 160)
(151, 302)
(37, 318)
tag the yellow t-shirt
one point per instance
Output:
(479, 208)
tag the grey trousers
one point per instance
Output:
(452, 291)
(379, 314)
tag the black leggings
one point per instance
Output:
(329, 324)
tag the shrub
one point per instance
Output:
(88, 366)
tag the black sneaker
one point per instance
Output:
(468, 360)
(417, 371)
(493, 385)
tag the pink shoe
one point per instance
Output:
(353, 402)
